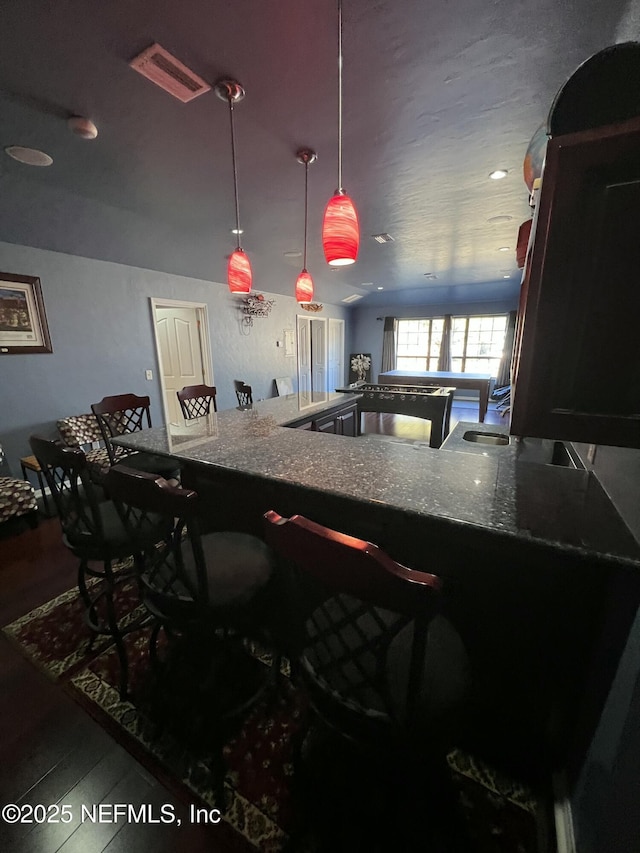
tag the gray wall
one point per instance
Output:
(101, 329)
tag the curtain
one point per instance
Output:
(389, 344)
(504, 371)
(444, 359)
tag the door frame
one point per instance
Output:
(205, 340)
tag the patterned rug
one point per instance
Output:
(500, 815)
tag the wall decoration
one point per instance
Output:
(360, 367)
(312, 306)
(23, 322)
(255, 305)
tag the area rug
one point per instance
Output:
(500, 815)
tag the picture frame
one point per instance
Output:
(360, 367)
(23, 321)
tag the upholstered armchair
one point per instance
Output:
(83, 431)
(17, 497)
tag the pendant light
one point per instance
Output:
(239, 276)
(304, 283)
(340, 228)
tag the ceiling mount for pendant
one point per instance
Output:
(306, 156)
(229, 90)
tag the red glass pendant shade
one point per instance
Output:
(304, 287)
(340, 231)
(239, 276)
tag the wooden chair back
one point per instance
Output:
(353, 608)
(121, 414)
(244, 393)
(197, 400)
(75, 497)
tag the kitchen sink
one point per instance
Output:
(494, 438)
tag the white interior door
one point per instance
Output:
(335, 355)
(304, 354)
(181, 351)
(319, 355)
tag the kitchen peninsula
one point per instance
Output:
(534, 556)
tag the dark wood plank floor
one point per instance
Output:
(51, 751)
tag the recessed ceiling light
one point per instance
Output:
(496, 220)
(237, 231)
(28, 156)
(383, 238)
(504, 249)
(293, 254)
(381, 288)
(498, 174)
(366, 284)
(506, 276)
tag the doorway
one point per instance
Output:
(183, 347)
(320, 354)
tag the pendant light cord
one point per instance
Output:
(235, 172)
(340, 190)
(306, 208)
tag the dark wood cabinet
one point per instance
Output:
(347, 422)
(577, 359)
(342, 420)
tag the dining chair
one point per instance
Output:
(381, 665)
(93, 532)
(126, 413)
(197, 400)
(210, 598)
(17, 497)
(244, 393)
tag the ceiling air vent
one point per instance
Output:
(166, 71)
(383, 238)
(353, 298)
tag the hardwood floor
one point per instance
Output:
(51, 751)
(416, 429)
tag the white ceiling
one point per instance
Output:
(436, 95)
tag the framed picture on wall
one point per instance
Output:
(23, 322)
(360, 367)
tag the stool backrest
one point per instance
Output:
(353, 609)
(144, 501)
(121, 414)
(244, 393)
(73, 492)
(196, 400)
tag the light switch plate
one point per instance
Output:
(148, 374)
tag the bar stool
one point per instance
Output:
(30, 463)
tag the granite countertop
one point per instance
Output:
(488, 487)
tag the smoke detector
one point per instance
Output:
(158, 65)
(28, 156)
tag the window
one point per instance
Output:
(418, 344)
(476, 343)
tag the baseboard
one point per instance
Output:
(563, 818)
